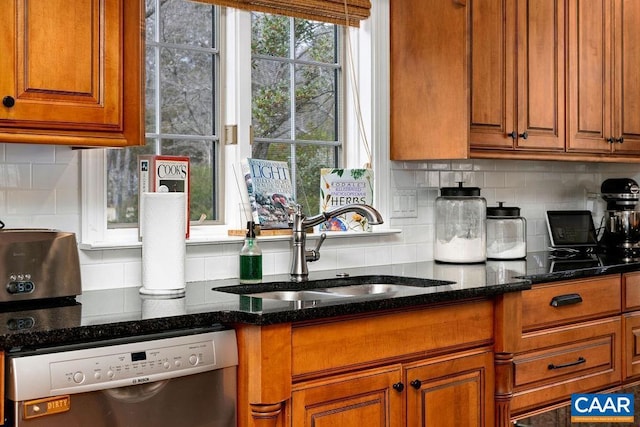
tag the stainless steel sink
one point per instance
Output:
(306, 295)
(366, 289)
(328, 293)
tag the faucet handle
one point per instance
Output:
(320, 242)
(314, 254)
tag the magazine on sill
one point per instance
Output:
(339, 187)
(163, 173)
(270, 192)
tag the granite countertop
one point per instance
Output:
(104, 314)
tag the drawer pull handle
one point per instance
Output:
(568, 299)
(580, 361)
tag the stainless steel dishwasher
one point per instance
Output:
(170, 379)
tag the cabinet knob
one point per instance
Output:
(618, 140)
(416, 384)
(513, 135)
(610, 140)
(524, 135)
(398, 386)
(8, 101)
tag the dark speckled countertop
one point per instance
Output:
(105, 314)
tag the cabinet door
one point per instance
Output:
(492, 73)
(540, 72)
(451, 392)
(631, 345)
(590, 67)
(627, 86)
(354, 400)
(65, 71)
(429, 79)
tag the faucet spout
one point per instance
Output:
(299, 254)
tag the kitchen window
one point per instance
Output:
(187, 105)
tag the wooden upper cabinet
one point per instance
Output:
(517, 75)
(492, 74)
(71, 75)
(626, 100)
(429, 79)
(590, 76)
(603, 107)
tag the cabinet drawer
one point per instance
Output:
(631, 291)
(558, 303)
(557, 362)
(349, 344)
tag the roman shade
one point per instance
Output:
(342, 12)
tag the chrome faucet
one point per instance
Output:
(299, 254)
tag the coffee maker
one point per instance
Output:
(621, 223)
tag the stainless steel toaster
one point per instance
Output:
(38, 264)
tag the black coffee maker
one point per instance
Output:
(621, 222)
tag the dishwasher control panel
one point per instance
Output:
(133, 367)
(109, 366)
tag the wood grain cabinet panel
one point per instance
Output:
(429, 79)
(452, 392)
(603, 108)
(554, 363)
(71, 75)
(631, 345)
(363, 399)
(564, 302)
(361, 341)
(517, 75)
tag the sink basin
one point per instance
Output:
(328, 293)
(365, 289)
(310, 295)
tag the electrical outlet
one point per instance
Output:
(405, 204)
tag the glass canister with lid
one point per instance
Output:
(506, 233)
(460, 225)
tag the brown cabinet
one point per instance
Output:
(429, 79)
(391, 368)
(72, 75)
(517, 75)
(363, 399)
(603, 111)
(571, 342)
(463, 382)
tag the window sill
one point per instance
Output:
(196, 240)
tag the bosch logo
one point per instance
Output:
(141, 380)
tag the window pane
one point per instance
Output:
(187, 23)
(270, 35)
(296, 121)
(271, 99)
(181, 63)
(315, 41)
(315, 103)
(187, 92)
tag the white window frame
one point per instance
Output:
(369, 46)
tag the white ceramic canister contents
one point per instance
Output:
(506, 233)
(460, 225)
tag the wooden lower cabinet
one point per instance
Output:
(448, 391)
(452, 391)
(362, 399)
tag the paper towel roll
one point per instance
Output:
(163, 245)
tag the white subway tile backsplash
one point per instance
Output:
(15, 175)
(30, 153)
(30, 202)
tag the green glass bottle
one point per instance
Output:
(250, 257)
